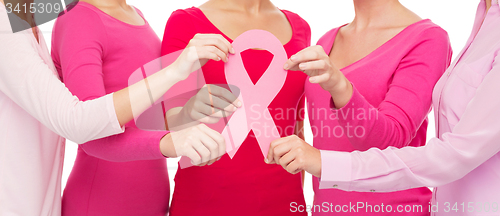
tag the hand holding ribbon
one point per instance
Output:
(256, 96)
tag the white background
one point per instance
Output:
(455, 16)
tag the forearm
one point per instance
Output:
(135, 99)
(133, 145)
(31, 84)
(381, 127)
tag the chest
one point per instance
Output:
(126, 51)
(275, 22)
(350, 47)
(459, 85)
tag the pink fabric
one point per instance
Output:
(463, 162)
(36, 112)
(241, 185)
(95, 54)
(392, 98)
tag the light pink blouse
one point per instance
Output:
(36, 109)
(464, 161)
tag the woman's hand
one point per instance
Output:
(317, 65)
(200, 143)
(295, 155)
(201, 48)
(211, 104)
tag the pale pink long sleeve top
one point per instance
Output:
(36, 109)
(463, 162)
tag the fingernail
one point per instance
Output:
(303, 66)
(293, 58)
(239, 104)
(218, 59)
(266, 160)
(312, 79)
(285, 67)
(232, 50)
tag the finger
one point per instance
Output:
(214, 112)
(287, 159)
(206, 54)
(228, 44)
(212, 49)
(212, 161)
(202, 151)
(294, 167)
(222, 104)
(325, 77)
(281, 150)
(225, 95)
(211, 145)
(306, 55)
(217, 137)
(203, 118)
(320, 65)
(218, 42)
(274, 144)
(193, 155)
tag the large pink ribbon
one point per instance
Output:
(254, 115)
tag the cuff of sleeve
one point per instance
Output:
(154, 143)
(336, 170)
(356, 98)
(113, 119)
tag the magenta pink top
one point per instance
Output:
(392, 98)
(125, 174)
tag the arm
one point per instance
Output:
(81, 50)
(409, 98)
(407, 103)
(472, 142)
(79, 46)
(31, 84)
(211, 102)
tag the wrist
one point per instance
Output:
(342, 93)
(167, 147)
(173, 74)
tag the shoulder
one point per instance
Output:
(185, 15)
(297, 20)
(328, 37)
(80, 17)
(426, 30)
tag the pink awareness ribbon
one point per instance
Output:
(254, 115)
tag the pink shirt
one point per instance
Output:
(463, 161)
(119, 175)
(36, 109)
(392, 98)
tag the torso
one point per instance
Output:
(478, 190)
(132, 187)
(241, 183)
(374, 86)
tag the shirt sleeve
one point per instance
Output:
(31, 84)
(408, 101)
(472, 142)
(81, 51)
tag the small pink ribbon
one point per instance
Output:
(254, 115)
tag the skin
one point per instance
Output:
(245, 15)
(200, 143)
(376, 22)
